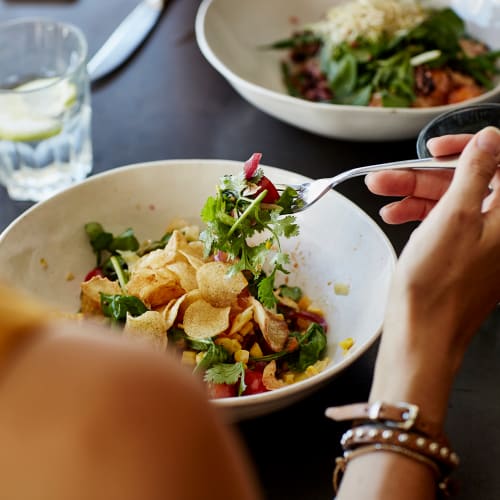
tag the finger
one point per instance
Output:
(448, 144)
(406, 210)
(493, 200)
(430, 184)
(476, 168)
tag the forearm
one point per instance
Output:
(387, 476)
(410, 368)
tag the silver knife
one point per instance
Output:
(125, 39)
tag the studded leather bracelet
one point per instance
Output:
(436, 450)
(397, 428)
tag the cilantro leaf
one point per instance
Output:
(227, 373)
(214, 354)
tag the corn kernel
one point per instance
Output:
(241, 356)
(300, 376)
(341, 288)
(237, 336)
(346, 344)
(288, 378)
(256, 351)
(247, 328)
(312, 308)
(230, 345)
(188, 358)
(311, 370)
(304, 302)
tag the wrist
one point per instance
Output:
(414, 367)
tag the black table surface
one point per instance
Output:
(168, 102)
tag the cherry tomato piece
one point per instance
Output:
(272, 193)
(216, 391)
(97, 271)
(253, 380)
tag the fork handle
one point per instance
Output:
(445, 162)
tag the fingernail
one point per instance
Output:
(430, 142)
(488, 140)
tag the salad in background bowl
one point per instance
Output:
(235, 39)
(46, 251)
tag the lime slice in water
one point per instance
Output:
(27, 115)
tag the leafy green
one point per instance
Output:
(116, 307)
(382, 66)
(99, 239)
(121, 274)
(109, 267)
(312, 344)
(227, 373)
(296, 40)
(105, 244)
(149, 246)
(214, 354)
(234, 216)
(293, 292)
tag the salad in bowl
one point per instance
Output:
(212, 297)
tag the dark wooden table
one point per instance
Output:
(168, 102)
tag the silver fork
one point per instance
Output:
(311, 192)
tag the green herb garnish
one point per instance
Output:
(227, 373)
(237, 215)
(116, 307)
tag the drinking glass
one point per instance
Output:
(45, 114)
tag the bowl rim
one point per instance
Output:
(422, 150)
(306, 386)
(231, 77)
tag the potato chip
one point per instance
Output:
(216, 286)
(202, 320)
(269, 379)
(273, 327)
(176, 223)
(241, 320)
(189, 298)
(196, 248)
(90, 298)
(195, 261)
(171, 311)
(287, 302)
(149, 326)
(161, 257)
(154, 287)
(176, 243)
(186, 274)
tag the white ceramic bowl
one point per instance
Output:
(338, 243)
(229, 33)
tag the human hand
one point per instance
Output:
(420, 189)
(446, 281)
